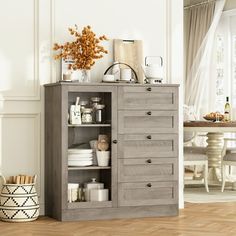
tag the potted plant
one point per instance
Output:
(82, 51)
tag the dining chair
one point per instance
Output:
(196, 156)
(228, 159)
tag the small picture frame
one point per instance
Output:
(69, 74)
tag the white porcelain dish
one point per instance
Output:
(79, 163)
(75, 155)
(80, 151)
(80, 159)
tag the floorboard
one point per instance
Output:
(211, 219)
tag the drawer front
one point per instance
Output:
(139, 146)
(147, 169)
(147, 121)
(147, 193)
(144, 97)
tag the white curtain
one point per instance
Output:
(203, 24)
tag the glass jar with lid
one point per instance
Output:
(87, 117)
(95, 101)
(83, 105)
(92, 185)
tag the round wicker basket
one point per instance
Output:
(18, 202)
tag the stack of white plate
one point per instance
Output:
(80, 157)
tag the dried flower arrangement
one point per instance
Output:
(84, 50)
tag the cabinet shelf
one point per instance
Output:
(76, 205)
(89, 167)
(90, 125)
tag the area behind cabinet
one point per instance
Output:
(142, 178)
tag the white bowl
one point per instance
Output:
(79, 163)
(75, 155)
(80, 151)
(108, 78)
(80, 159)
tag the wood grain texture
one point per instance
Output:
(209, 124)
(147, 193)
(211, 219)
(147, 121)
(132, 191)
(147, 169)
(138, 146)
(147, 97)
(130, 53)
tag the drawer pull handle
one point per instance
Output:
(149, 113)
(149, 137)
(149, 89)
(149, 161)
(114, 141)
(149, 185)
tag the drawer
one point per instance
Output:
(148, 97)
(147, 121)
(153, 145)
(147, 193)
(147, 169)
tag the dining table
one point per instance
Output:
(215, 140)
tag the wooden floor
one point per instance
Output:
(196, 219)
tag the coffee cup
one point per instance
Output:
(126, 74)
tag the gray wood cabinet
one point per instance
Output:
(142, 121)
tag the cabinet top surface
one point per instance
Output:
(109, 84)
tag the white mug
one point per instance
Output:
(126, 74)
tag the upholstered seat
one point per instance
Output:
(195, 153)
(197, 156)
(228, 159)
(194, 156)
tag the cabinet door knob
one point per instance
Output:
(149, 137)
(149, 161)
(149, 89)
(114, 141)
(149, 113)
(149, 185)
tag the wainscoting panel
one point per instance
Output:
(20, 145)
(19, 56)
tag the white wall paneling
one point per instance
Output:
(25, 65)
(19, 20)
(20, 145)
(175, 62)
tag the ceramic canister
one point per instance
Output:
(99, 195)
(19, 203)
(92, 185)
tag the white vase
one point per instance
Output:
(86, 76)
(103, 158)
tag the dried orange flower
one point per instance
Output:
(84, 50)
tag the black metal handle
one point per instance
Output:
(121, 63)
(114, 141)
(149, 185)
(149, 137)
(149, 113)
(146, 60)
(149, 89)
(149, 161)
